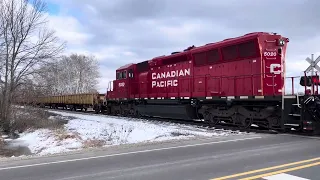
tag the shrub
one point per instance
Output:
(1, 142)
(93, 143)
(61, 134)
(32, 118)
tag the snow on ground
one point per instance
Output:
(83, 131)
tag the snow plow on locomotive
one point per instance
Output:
(238, 81)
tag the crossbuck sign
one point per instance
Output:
(313, 64)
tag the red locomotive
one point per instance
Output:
(250, 65)
(238, 81)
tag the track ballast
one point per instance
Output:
(201, 124)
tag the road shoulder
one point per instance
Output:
(126, 148)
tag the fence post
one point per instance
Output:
(305, 82)
(317, 81)
(292, 80)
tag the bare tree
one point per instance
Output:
(86, 72)
(71, 74)
(26, 44)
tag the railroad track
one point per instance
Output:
(201, 124)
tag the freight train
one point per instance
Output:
(238, 82)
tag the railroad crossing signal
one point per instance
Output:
(313, 64)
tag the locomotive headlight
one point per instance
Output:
(281, 42)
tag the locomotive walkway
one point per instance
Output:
(257, 156)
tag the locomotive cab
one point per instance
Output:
(122, 85)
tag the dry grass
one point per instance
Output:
(1, 142)
(30, 118)
(5, 152)
(61, 134)
(93, 143)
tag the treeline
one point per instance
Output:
(72, 74)
(31, 60)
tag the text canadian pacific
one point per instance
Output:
(168, 78)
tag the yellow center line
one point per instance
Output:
(266, 169)
(281, 171)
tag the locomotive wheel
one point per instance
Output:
(131, 112)
(122, 112)
(214, 120)
(108, 110)
(209, 117)
(246, 123)
(273, 121)
(97, 109)
(238, 120)
(137, 114)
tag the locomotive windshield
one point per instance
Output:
(122, 75)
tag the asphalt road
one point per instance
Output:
(186, 160)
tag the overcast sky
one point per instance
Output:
(118, 32)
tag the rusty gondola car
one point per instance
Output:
(72, 101)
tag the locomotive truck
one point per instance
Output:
(238, 81)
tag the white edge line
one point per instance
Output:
(284, 176)
(127, 153)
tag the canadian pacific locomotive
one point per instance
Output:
(238, 81)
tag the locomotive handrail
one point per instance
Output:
(145, 89)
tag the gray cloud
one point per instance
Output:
(138, 21)
(152, 28)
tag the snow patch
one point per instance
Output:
(83, 131)
(44, 141)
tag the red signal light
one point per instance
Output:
(309, 80)
(315, 80)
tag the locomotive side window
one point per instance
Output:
(247, 49)
(213, 56)
(130, 73)
(230, 53)
(124, 74)
(200, 59)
